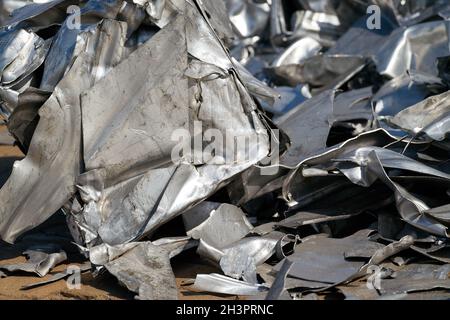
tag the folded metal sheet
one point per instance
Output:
(353, 105)
(388, 159)
(440, 253)
(24, 118)
(9, 6)
(314, 21)
(378, 137)
(147, 146)
(71, 42)
(440, 213)
(142, 267)
(22, 54)
(347, 202)
(401, 93)
(103, 253)
(411, 208)
(133, 15)
(199, 216)
(47, 176)
(241, 259)
(222, 240)
(290, 97)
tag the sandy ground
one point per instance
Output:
(102, 288)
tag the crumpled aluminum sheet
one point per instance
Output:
(151, 140)
(404, 50)
(240, 260)
(225, 240)
(223, 224)
(54, 149)
(352, 124)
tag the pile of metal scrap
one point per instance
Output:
(341, 188)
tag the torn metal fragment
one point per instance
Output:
(392, 249)
(221, 284)
(223, 226)
(145, 270)
(38, 262)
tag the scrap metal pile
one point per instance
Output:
(342, 185)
